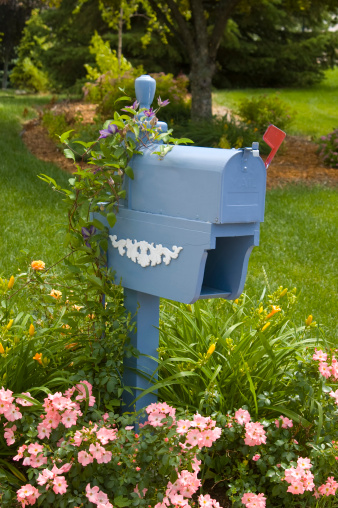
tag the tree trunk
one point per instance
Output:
(202, 71)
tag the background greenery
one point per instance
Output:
(316, 114)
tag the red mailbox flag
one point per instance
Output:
(274, 138)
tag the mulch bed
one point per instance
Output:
(297, 162)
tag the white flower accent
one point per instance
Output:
(145, 253)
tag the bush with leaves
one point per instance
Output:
(107, 89)
(264, 110)
(328, 149)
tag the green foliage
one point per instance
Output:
(26, 75)
(328, 149)
(106, 60)
(255, 343)
(29, 72)
(221, 132)
(55, 124)
(264, 110)
(106, 90)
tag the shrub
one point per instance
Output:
(106, 90)
(264, 110)
(27, 75)
(226, 132)
(328, 149)
(55, 124)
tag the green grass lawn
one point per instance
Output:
(298, 237)
(316, 107)
(29, 209)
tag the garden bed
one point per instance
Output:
(298, 162)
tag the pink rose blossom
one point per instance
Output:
(242, 416)
(256, 457)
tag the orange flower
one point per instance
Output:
(55, 294)
(38, 265)
(31, 330)
(275, 309)
(11, 282)
(38, 358)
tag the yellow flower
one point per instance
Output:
(260, 310)
(38, 358)
(31, 330)
(275, 309)
(55, 294)
(10, 324)
(265, 326)
(211, 349)
(1, 349)
(11, 282)
(38, 265)
(308, 320)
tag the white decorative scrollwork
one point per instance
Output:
(145, 253)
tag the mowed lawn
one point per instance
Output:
(298, 241)
(315, 108)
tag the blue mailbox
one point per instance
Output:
(184, 232)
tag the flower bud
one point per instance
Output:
(11, 282)
(308, 320)
(9, 325)
(31, 330)
(1, 349)
(283, 292)
(211, 349)
(266, 326)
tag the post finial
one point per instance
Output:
(145, 87)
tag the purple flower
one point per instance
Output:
(162, 103)
(149, 112)
(112, 129)
(87, 233)
(134, 106)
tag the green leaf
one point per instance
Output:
(129, 172)
(121, 501)
(69, 154)
(65, 135)
(111, 218)
(123, 98)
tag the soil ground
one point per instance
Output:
(297, 162)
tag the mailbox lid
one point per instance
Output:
(186, 183)
(206, 184)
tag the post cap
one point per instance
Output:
(145, 87)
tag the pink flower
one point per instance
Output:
(193, 437)
(319, 355)
(205, 501)
(242, 416)
(105, 435)
(69, 418)
(92, 493)
(253, 500)
(304, 463)
(324, 369)
(296, 487)
(27, 495)
(334, 395)
(254, 434)
(35, 448)
(12, 413)
(60, 485)
(285, 422)
(256, 457)
(25, 402)
(9, 435)
(38, 460)
(155, 419)
(182, 426)
(85, 458)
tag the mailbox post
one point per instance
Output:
(184, 232)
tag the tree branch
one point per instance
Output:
(223, 13)
(184, 33)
